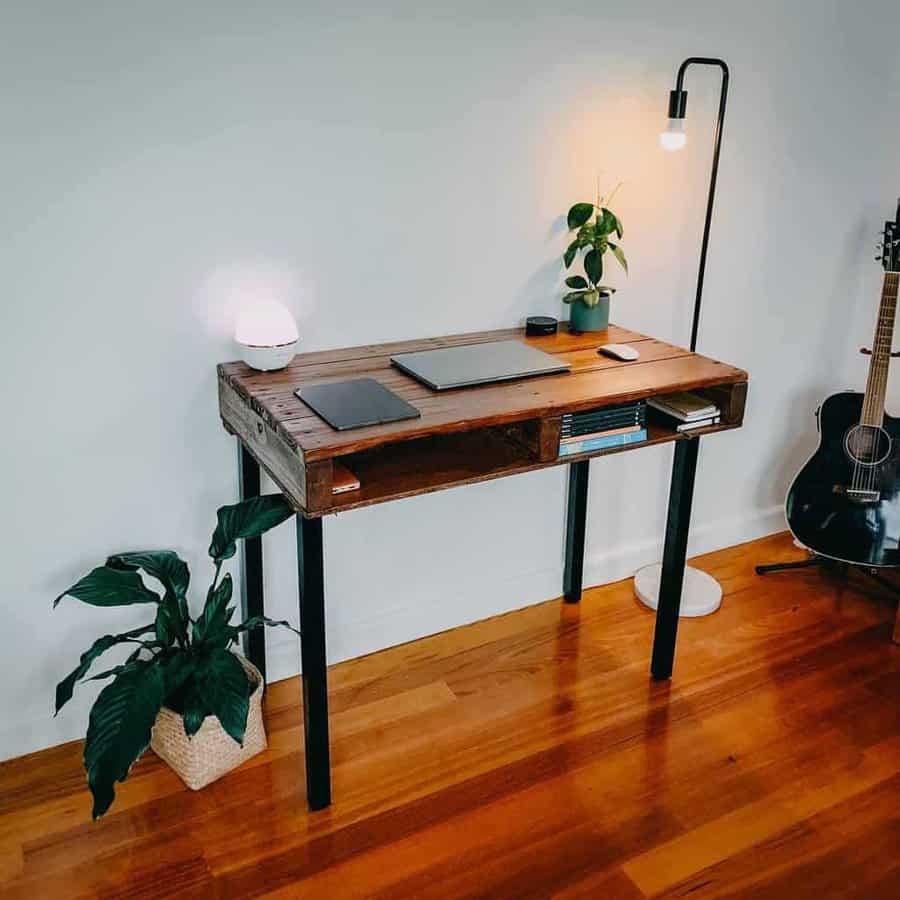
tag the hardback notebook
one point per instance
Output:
(685, 406)
(602, 442)
(586, 422)
(698, 423)
(609, 409)
(608, 432)
(356, 403)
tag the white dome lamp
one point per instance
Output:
(701, 594)
(266, 336)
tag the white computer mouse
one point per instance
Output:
(619, 351)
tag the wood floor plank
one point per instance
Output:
(674, 861)
(810, 858)
(531, 755)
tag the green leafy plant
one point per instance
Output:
(180, 662)
(594, 225)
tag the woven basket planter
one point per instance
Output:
(211, 752)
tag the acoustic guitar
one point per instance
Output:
(845, 502)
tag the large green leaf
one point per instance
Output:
(119, 731)
(577, 282)
(105, 586)
(620, 230)
(619, 255)
(166, 565)
(212, 621)
(247, 519)
(606, 223)
(65, 688)
(178, 671)
(172, 571)
(195, 711)
(593, 266)
(225, 687)
(168, 626)
(579, 215)
(571, 250)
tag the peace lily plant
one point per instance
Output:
(179, 662)
(594, 225)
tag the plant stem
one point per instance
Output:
(615, 191)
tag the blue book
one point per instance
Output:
(603, 442)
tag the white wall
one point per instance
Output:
(396, 174)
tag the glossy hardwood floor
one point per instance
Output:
(531, 756)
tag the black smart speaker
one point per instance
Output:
(535, 326)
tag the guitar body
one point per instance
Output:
(845, 502)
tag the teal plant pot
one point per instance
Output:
(590, 318)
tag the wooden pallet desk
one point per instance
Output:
(463, 436)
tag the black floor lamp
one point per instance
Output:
(701, 594)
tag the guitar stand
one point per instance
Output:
(823, 562)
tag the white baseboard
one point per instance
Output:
(622, 562)
(456, 605)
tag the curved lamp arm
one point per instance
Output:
(677, 110)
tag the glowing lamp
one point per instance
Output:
(673, 138)
(266, 336)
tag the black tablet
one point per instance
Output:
(354, 404)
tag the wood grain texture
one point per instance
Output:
(532, 756)
(263, 408)
(278, 455)
(662, 368)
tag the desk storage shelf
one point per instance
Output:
(463, 436)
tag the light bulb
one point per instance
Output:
(266, 335)
(673, 138)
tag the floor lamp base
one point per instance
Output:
(701, 594)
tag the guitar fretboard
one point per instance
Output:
(876, 384)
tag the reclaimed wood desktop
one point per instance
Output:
(463, 436)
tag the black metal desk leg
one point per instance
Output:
(311, 569)
(576, 513)
(674, 554)
(251, 567)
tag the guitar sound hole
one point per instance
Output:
(867, 445)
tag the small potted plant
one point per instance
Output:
(588, 299)
(182, 671)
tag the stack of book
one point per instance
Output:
(608, 426)
(685, 411)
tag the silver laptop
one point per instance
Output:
(454, 367)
